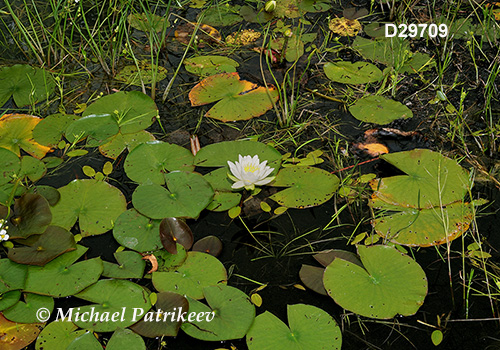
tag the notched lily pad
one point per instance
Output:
(173, 231)
(143, 73)
(136, 231)
(129, 265)
(96, 128)
(118, 143)
(352, 73)
(210, 244)
(209, 65)
(379, 110)
(31, 216)
(10, 165)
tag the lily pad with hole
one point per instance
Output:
(26, 311)
(204, 66)
(171, 305)
(32, 168)
(125, 339)
(17, 336)
(138, 232)
(233, 314)
(113, 298)
(175, 231)
(49, 245)
(87, 341)
(62, 276)
(129, 265)
(309, 327)
(95, 204)
(149, 162)
(379, 110)
(132, 110)
(307, 187)
(185, 195)
(198, 271)
(388, 284)
(31, 215)
(352, 73)
(118, 143)
(12, 275)
(145, 74)
(16, 133)
(95, 128)
(27, 85)
(238, 99)
(10, 165)
(49, 130)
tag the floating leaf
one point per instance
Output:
(233, 314)
(147, 22)
(224, 197)
(145, 74)
(310, 328)
(12, 275)
(9, 298)
(222, 15)
(51, 194)
(10, 165)
(205, 34)
(138, 232)
(118, 143)
(16, 133)
(130, 265)
(133, 110)
(49, 130)
(379, 110)
(125, 339)
(95, 204)
(57, 335)
(437, 337)
(17, 336)
(32, 168)
(169, 262)
(312, 277)
(173, 231)
(150, 161)
(31, 216)
(26, 311)
(352, 73)
(85, 341)
(392, 52)
(186, 195)
(209, 244)
(307, 187)
(27, 85)
(96, 128)
(198, 271)
(49, 245)
(344, 27)
(390, 283)
(209, 65)
(239, 99)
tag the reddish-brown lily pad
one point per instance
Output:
(173, 231)
(31, 216)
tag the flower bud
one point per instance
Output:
(270, 6)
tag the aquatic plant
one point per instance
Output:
(249, 172)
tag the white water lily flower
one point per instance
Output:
(248, 172)
(3, 231)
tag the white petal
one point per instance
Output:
(267, 171)
(265, 181)
(239, 184)
(234, 170)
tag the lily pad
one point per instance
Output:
(145, 74)
(312, 277)
(26, 84)
(32, 168)
(149, 162)
(198, 271)
(344, 27)
(95, 204)
(224, 197)
(175, 231)
(186, 195)
(118, 143)
(390, 283)
(222, 15)
(61, 277)
(171, 305)
(170, 262)
(307, 187)
(9, 298)
(352, 73)
(209, 65)
(26, 311)
(31, 216)
(379, 110)
(138, 232)
(10, 165)
(49, 130)
(147, 22)
(130, 265)
(49, 245)
(16, 133)
(239, 99)
(389, 51)
(233, 314)
(310, 328)
(51, 194)
(210, 244)
(125, 339)
(17, 336)
(117, 304)
(133, 110)
(96, 128)
(12, 275)
(58, 335)
(86, 341)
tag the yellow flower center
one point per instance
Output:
(250, 168)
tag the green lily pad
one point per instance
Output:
(224, 197)
(16, 133)
(12, 275)
(31, 216)
(125, 339)
(171, 305)
(86, 341)
(352, 73)
(95, 204)
(307, 187)
(379, 110)
(57, 335)
(9, 298)
(49, 130)
(10, 165)
(130, 265)
(32, 168)
(419, 62)
(51, 194)
(49, 245)
(390, 283)
(204, 66)
(147, 22)
(138, 232)
(198, 271)
(97, 128)
(221, 16)
(133, 110)
(389, 51)
(146, 74)
(186, 195)
(310, 328)
(233, 314)
(118, 143)
(239, 99)
(117, 304)
(149, 162)
(61, 277)
(375, 29)
(170, 262)
(26, 84)
(26, 311)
